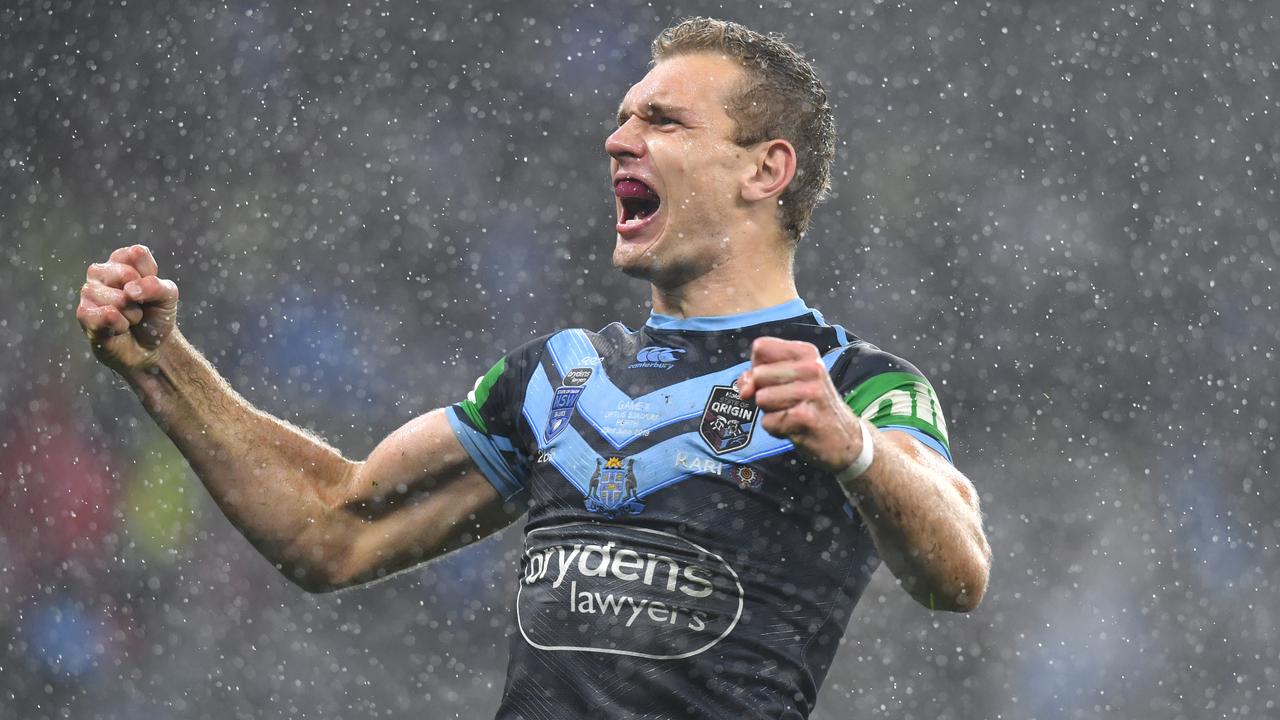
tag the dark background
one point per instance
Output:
(1065, 214)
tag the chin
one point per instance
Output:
(671, 272)
(635, 263)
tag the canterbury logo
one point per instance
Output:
(655, 354)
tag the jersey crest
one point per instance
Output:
(727, 421)
(613, 489)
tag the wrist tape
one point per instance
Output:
(864, 459)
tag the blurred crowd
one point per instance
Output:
(1065, 215)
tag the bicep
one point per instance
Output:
(934, 462)
(419, 495)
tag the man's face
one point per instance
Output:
(676, 170)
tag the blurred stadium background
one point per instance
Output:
(1065, 214)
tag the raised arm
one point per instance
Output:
(324, 521)
(923, 513)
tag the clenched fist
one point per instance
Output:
(790, 385)
(126, 310)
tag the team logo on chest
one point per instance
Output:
(728, 421)
(614, 489)
(565, 400)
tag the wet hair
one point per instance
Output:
(781, 97)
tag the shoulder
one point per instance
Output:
(572, 346)
(891, 393)
(561, 336)
(861, 360)
(858, 359)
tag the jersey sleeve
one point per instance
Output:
(891, 393)
(489, 422)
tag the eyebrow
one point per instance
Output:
(652, 108)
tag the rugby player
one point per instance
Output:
(707, 494)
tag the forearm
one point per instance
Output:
(925, 526)
(922, 513)
(272, 481)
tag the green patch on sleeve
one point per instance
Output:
(898, 398)
(480, 394)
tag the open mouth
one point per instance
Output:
(639, 203)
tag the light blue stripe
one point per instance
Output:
(485, 451)
(502, 443)
(675, 403)
(656, 466)
(789, 309)
(925, 438)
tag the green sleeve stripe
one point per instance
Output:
(861, 397)
(898, 398)
(480, 394)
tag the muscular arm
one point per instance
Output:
(922, 512)
(924, 517)
(326, 522)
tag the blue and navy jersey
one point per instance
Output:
(679, 560)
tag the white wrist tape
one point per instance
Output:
(864, 459)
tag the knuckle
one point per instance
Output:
(766, 398)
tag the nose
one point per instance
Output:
(625, 141)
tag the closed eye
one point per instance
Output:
(658, 120)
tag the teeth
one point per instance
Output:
(632, 222)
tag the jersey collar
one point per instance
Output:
(787, 310)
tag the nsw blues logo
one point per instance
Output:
(653, 356)
(727, 421)
(565, 400)
(613, 489)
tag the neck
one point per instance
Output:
(730, 288)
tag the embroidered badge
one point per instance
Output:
(727, 421)
(565, 400)
(613, 489)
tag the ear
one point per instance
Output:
(774, 169)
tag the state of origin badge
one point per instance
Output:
(727, 421)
